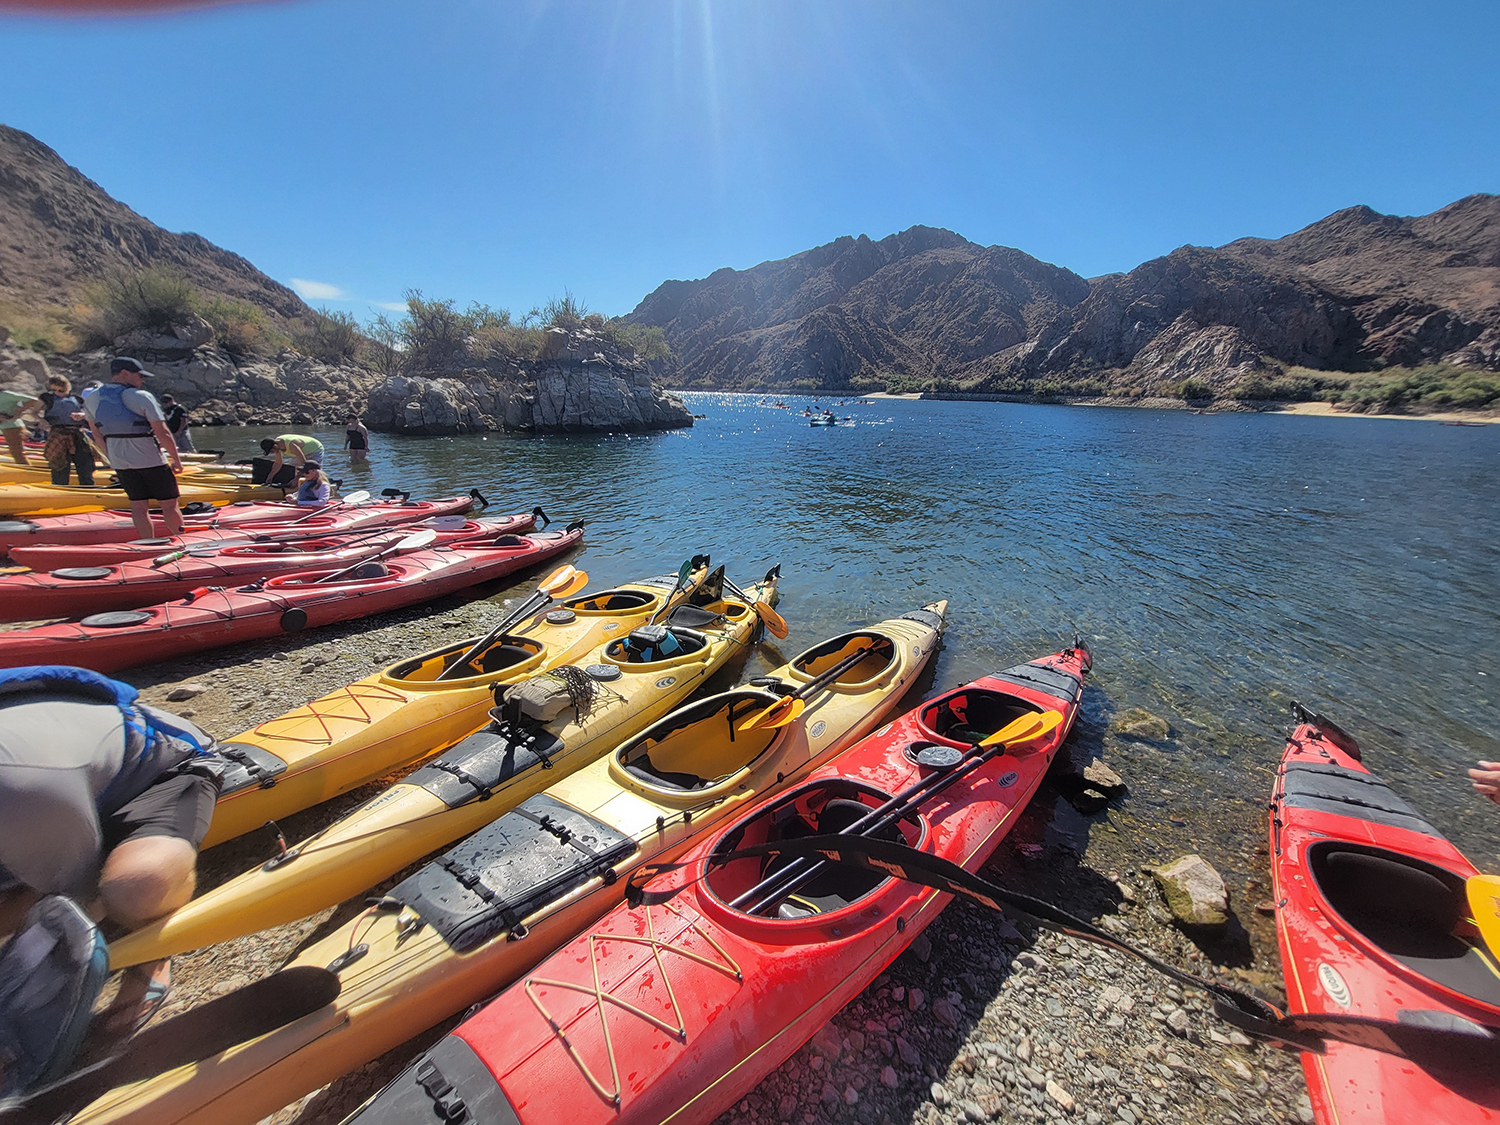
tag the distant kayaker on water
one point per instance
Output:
(104, 800)
(356, 439)
(130, 427)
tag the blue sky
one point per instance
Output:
(504, 151)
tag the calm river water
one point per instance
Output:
(1218, 566)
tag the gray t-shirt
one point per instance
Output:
(57, 755)
(132, 452)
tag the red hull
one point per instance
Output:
(734, 995)
(219, 617)
(100, 552)
(1337, 830)
(40, 595)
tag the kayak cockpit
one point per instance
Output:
(973, 714)
(880, 658)
(653, 644)
(504, 654)
(698, 746)
(787, 888)
(1409, 910)
(612, 603)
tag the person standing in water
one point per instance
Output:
(356, 439)
(129, 426)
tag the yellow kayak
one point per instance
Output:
(60, 500)
(38, 473)
(404, 713)
(547, 727)
(470, 923)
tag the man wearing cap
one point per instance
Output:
(129, 425)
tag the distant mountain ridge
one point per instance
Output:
(59, 231)
(1355, 291)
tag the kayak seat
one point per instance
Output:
(836, 886)
(882, 651)
(973, 715)
(651, 643)
(1409, 909)
(701, 748)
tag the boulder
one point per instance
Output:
(1142, 724)
(1195, 894)
(22, 369)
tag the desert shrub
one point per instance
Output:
(333, 337)
(240, 328)
(648, 340)
(1437, 386)
(1296, 385)
(386, 345)
(1191, 389)
(565, 312)
(435, 333)
(156, 299)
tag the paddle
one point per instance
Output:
(1484, 904)
(561, 582)
(787, 708)
(414, 542)
(198, 1034)
(772, 620)
(682, 576)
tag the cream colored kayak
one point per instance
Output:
(631, 684)
(468, 924)
(404, 713)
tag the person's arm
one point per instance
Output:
(299, 458)
(50, 839)
(168, 446)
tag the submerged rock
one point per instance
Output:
(1195, 893)
(1137, 722)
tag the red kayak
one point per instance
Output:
(76, 541)
(674, 1011)
(1372, 916)
(287, 603)
(75, 591)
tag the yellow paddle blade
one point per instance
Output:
(1484, 903)
(779, 714)
(563, 581)
(774, 622)
(1024, 729)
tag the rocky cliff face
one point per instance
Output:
(580, 384)
(62, 231)
(1355, 291)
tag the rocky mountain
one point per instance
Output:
(1356, 291)
(59, 231)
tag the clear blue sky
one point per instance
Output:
(501, 151)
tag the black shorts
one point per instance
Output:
(155, 483)
(180, 805)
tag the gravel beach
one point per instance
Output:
(979, 1021)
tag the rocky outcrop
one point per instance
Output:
(219, 389)
(1352, 292)
(581, 384)
(21, 369)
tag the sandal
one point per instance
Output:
(134, 1006)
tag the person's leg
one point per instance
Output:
(60, 473)
(15, 441)
(140, 515)
(147, 877)
(171, 514)
(83, 458)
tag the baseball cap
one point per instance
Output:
(126, 363)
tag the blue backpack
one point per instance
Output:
(51, 973)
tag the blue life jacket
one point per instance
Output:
(60, 408)
(114, 418)
(155, 741)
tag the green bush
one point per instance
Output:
(332, 337)
(240, 328)
(1437, 386)
(1192, 389)
(648, 340)
(156, 299)
(565, 312)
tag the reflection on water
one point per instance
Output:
(1218, 566)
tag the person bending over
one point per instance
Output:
(129, 426)
(103, 799)
(299, 448)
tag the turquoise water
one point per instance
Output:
(1218, 566)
